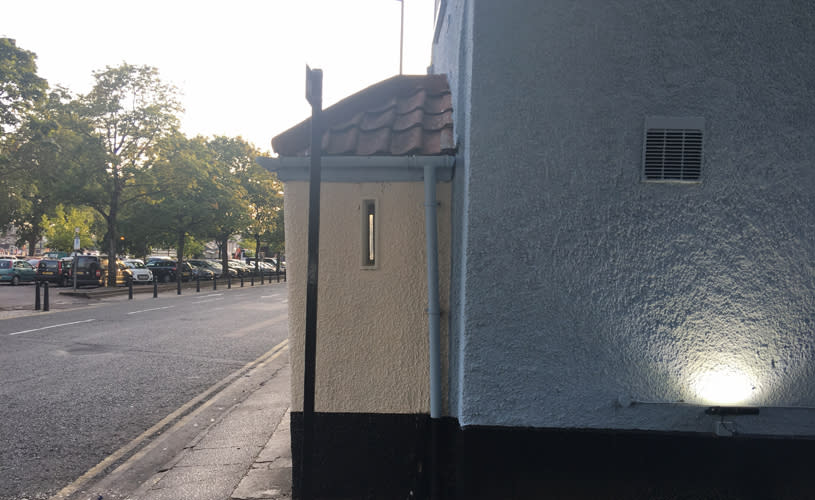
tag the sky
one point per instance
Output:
(239, 64)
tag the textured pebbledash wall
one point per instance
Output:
(372, 333)
(580, 289)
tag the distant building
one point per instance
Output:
(625, 253)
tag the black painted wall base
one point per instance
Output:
(388, 456)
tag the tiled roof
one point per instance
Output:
(403, 115)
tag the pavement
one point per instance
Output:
(235, 444)
(244, 455)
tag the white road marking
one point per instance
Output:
(205, 301)
(152, 309)
(52, 326)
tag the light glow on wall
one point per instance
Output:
(724, 386)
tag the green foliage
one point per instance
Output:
(20, 87)
(59, 228)
(40, 153)
(193, 248)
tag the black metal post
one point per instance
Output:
(178, 284)
(261, 276)
(314, 94)
(215, 283)
(229, 282)
(252, 280)
(37, 295)
(45, 304)
(198, 283)
(241, 281)
(155, 287)
(129, 289)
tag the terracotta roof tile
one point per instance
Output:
(403, 115)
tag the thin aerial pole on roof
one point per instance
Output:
(401, 35)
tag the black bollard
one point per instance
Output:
(241, 281)
(37, 295)
(45, 305)
(178, 284)
(252, 280)
(155, 287)
(261, 276)
(214, 282)
(129, 289)
(198, 283)
(229, 282)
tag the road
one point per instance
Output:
(79, 384)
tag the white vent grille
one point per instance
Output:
(673, 149)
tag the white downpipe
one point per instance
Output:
(433, 306)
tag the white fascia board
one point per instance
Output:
(361, 168)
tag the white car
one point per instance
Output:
(138, 271)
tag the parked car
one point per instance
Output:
(241, 268)
(14, 271)
(219, 269)
(199, 272)
(263, 267)
(52, 271)
(137, 271)
(165, 270)
(216, 269)
(89, 271)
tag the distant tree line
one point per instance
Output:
(114, 164)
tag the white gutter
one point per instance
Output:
(361, 168)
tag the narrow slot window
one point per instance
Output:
(369, 233)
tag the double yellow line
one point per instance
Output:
(129, 447)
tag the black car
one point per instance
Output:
(89, 271)
(53, 271)
(165, 270)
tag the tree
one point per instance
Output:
(131, 111)
(38, 154)
(20, 90)
(59, 228)
(265, 207)
(234, 158)
(20, 86)
(183, 206)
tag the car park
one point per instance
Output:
(14, 271)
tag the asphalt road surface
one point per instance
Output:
(78, 384)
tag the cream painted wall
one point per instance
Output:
(372, 334)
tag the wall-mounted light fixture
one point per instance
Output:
(724, 386)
